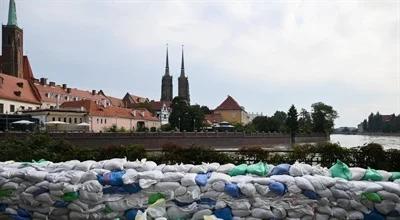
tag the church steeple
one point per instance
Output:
(166, 82)
(183, 82)
(182, 64)
(167, 64)
(12, 44)
(12, 14)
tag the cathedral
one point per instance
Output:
(167, 85)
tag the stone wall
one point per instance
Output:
(185, 139)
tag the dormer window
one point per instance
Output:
(17, 93)
(20, 84)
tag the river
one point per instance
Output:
(388, 142)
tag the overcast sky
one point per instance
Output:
(266, 54)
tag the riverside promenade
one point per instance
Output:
(155, 140)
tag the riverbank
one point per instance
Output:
(349, 141)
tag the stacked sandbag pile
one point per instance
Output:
(120, 189)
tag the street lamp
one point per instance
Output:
(194, 124)
(179, 119)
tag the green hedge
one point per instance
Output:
(41, 146)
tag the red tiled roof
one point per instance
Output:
(111, 111)
(44, 90)
(229, 104)
(17, 89)
(116, 101)
(157, 105)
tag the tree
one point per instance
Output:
(185, 117)
(365, 125)
(205, 110)
(291, 122)
(278, 121)
(323, 117)
(305, 122)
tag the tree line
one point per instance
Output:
(319, 120)
(381, 123)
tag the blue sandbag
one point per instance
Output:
(207, 201)
(130, 214)
(225, 213)
(278, 188)
(113, 178)
(374, 215)
(201, 179)
(128, 188)
(311, 194)
(17, 217)
(281, 169)
(232, 189)
(23, 213)
(60, 204)
(3, 207)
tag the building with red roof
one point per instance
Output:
(230, 111)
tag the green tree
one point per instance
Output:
(278, 121)
(323, 117)
(291, 122)
(305, 122)
(205, 109)
(184, 117)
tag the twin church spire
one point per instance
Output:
(167, 85)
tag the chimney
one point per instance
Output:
(43, 81)
(64, 86)
(68, 90)
(52, 84)
(93, 92)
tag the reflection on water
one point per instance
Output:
(358, 140)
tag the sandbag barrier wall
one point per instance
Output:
(120, 189)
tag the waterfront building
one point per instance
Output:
(131, 101)
(230, 111)
(101, 118)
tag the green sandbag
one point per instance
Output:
(154, 197)
(238, 170)
(371, 196)
(340, 170)
(5, 193)
(260, 169)
(373, 175)
(70, 196)
(395, 176)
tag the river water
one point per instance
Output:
(388, 142)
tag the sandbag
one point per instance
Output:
(238, 170)
(259, 169)
(281, 169)
(278, 188)
(341, 170)
(371, 174)
(232, 189)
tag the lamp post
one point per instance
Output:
(194, 124)
(179, 119)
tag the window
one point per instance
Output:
(98, 121)
(75, 120)
(101, 121)
(105, 121)
(65, 119)
(22, 107)
(1, 108)
(70, 120)
(12, 108)
(59, 119)
(80, 120)
(29, 108)
(54, 118)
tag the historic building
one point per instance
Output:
(230, 111)
(183, 82)
(166, 83)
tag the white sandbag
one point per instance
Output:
(114, 164)
(261, 189)
(130, 176)
(339, 213)
(300, 169)
(166, 186)
(87, 176)
(320, 216)
(215, 176)
(355, 215)
(385, 174)
(225, 168)
(35, 176)
(200, 214)
(199, 168)
(92, 186)
(286, 179)
(340, 194)
(218, 186)
(151, 174)
(389, 196)
(172, 176)
(385, 207)
(262, 213)
(85, 165)
(241, 212)
(146, 183)
(303, 183)
(181, 190)
(390, 187)
(357, 173)
(189, 179)
(247, 189)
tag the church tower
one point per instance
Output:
(183, 83)
(166, 83)
(12, 44)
